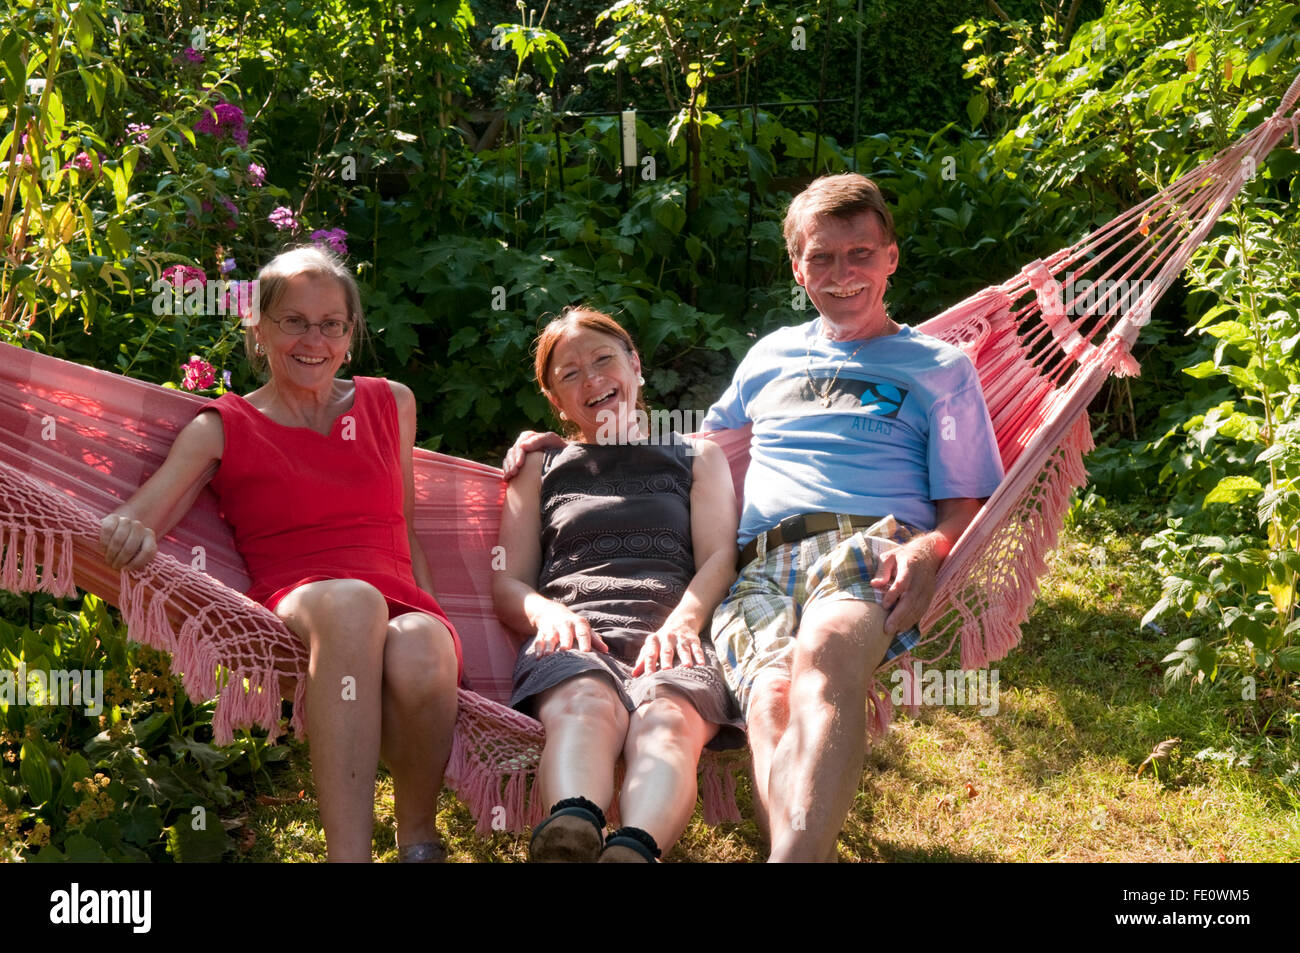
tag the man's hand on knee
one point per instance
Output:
(907, 577)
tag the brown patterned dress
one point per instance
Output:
(616, 549)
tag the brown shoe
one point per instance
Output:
(573, 834)
(630, 845)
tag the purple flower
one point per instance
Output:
(221, 119)
(333, 237)
(232, 210)
(182, 275)
(225, 379)
(207, 123)
(227, 266)
(192, 55)
(282, 218)
(139, 132)
(199, 374)
(256, 175)
(228, 114)
(82, 162)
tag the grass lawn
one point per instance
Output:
(1052, 776)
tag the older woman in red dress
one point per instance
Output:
(314, 475)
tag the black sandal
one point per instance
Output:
(573, 833)
(630, 845)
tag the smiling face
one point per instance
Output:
(591, 376)
(844, 266)
(306, 361)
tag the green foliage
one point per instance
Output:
(1100, 116)
(139, 780)
(1234, 554)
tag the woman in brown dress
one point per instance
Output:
(617, 549)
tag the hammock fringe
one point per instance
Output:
(22, 571)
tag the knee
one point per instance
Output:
(343, 603)
(419, 660)
(667, 720)
(587, 698)
(769, 706)
(837, 653)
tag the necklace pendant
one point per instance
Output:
(826, 401)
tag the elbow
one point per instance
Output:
(501, 592)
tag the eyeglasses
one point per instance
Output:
(332, 328)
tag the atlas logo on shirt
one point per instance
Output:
(883, 400)
(874, 397)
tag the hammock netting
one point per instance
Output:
(75, 442)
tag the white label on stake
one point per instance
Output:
(629, 138)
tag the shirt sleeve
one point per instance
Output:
(728, 412)
(963, 454)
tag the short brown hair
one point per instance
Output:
(845, 195)
(576, 316)
(273, 280)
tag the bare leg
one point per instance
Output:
(766, 722)
(818, 763)
(664, 741)
(419, 715)
(585, 726)
(343, 622)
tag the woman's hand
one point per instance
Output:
(127, 542)
(672, 641)
(524, 444)
(559, 628)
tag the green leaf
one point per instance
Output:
(80, 849)
(977, 108)
(1288, 659)
(189, 846)
(1203, 370)
(1234, 489)
(35, 772)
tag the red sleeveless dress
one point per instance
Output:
(307, 507)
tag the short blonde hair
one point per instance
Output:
(273, 281)
(845, 195)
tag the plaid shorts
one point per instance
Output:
(754, 627)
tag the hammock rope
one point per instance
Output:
(75, 442)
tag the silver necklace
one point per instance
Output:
(824, 395)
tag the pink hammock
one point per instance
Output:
(75, 442)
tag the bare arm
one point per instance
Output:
(713, 539)
(514, 594)
(406, 421)
(907, 574)
(129, 534)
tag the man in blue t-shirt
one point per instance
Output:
(872, 450)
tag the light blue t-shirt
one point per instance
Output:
(906, 425)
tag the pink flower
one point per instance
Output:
(333, 237)
(199, 374)
(256, 175)
(182, 275)
(139, 132)
(282, 218)
(221, 119)
(192, 55)
(83, 162)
